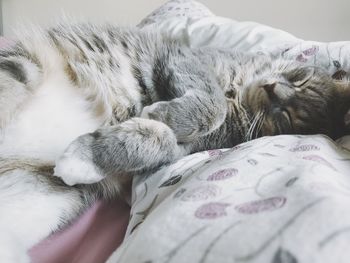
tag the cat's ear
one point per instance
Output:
(299, 76)
(343, 90)
(343, 96)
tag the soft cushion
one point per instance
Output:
(198, 27)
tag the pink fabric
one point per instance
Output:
(90, 240)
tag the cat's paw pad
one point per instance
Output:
(74, 167)
(73, 170)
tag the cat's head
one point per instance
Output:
(290, 98)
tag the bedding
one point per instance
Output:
(275, 199)
(89, 240)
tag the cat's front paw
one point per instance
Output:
(75, 166)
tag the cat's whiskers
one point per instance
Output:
(251, 127)
(251, 124)
(255, 126)
(261, 121)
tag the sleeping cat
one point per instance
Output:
(126, 102)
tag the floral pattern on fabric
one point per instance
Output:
(233, 209)
(177, 9)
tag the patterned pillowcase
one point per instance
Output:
(177, 9)
(198, 26)
(267, 200)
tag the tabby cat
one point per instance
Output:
(104, 103)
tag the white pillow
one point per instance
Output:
(197, 26)
(224, 33)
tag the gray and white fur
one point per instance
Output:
(96, 105)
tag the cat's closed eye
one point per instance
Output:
(299, 76)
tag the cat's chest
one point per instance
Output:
(48, 122)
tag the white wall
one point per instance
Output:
(45, 12)
(323, 20)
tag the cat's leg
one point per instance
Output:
(19, 75)
(191, 116)
(132, 147)
(192, 102)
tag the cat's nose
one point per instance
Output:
(269, 88)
